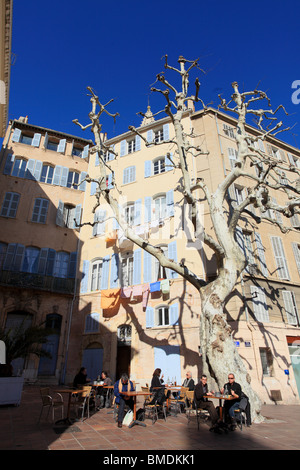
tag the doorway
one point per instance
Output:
(47, 365)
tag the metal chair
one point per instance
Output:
(83, 402)
(240, 418)
(150, 408)
(50, 402)
(180, 400)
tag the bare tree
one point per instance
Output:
(219, 353)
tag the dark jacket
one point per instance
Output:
(189, 383)
(80, 379)
(199, 392)
(155, 383)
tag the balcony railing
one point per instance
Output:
(37, 281)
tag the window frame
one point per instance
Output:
(10, 202)
(38, 210)
(95, 281)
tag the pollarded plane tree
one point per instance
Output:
(219, 353)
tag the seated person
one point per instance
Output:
(157, 388)
(234, 389)
(188, 381)
(123, 385)
(81, 378)
(104, 393)
(200, 401)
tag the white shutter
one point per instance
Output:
(290, 307)
(282, 268)
(296, 250)
(62, 146)
(36, 140)
(260, 307)
(261, 254)
(16, 135)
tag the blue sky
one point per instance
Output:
(61, 47)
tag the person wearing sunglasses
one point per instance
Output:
(234, 389)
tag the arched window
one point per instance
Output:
(73, 179)
(47, 173)
(19, 167)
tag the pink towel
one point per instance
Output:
(146, 291)
(137, 291)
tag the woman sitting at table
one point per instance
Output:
(158, 388)
(157, 381)
(104, 392)
(123, 385)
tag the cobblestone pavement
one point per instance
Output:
(20, 430)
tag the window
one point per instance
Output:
(159, 271)
(232, 153)
(160, 206)
(259, 303)
(131, 146)
(73, 179)
(266, 361)
(61, 265)
(159, 135)
(77, 151)
(129, 214)
(31, 260)
(92, 321)
(10, 205)
(159, 166)
(67, 215)
(162, 316)
(40, 210)
(51, 145)
(96, 275)
(126, 269)
(124, 334)
(229, 131)
(129, 175)
(294, 161)
(47, 174)
(19, 167)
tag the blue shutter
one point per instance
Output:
(38, 170)
(9, 257)
(123, 148)
(46, 140)
(170, 203)
(148, 165)
(174, 314)
(82, 185)
(166, 131)
(64, 176)
(168, 163)
(50, 262)
(137, 143)
(109, 181)
(30, 169)
(93, 188)
(147, 267)
(114, 271)
(97, 161)
(62, 146)
(9, 164)
(85, 277)
(150, 136)
(77, 216)
(137, 212)
(42, 261)
(16, 135)
(18, 259)
(59, 214)
(172, 254)
(261, 254)
(72, 265)
(36, 140)
(57, 175)
(105, 272)
(137, 267)
(85, 152)
(148, 207)
(150, 318)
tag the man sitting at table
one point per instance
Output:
(234, 389)
(123, 385)
(202, 402)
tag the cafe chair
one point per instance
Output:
(83, 401)
(240, 418)
(190, 409)
(51, 403)
(150, 409)
(180, 400)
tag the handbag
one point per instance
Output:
(128, 418)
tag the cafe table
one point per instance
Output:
(220, 398)
(134, 395)
(70, 392)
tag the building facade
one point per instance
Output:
(125, 312)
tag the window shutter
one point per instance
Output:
(42, 261)
(64, 176)
(57, 175)
(147, 267)
(148, 166)
(30, 169)
(37, 170)
(149, 317)
(92, 322)
(137, 267)
(9, 164)
(77, 216)
(72, 265)
(82, 184)
(16, 135)
(150, 136)
(9, 258)
(174, 314)
(109, 181)
(261, 254)
(85, 277)
(93, 188)
(60, 214)
(260, 307)
(36, 140)
(123, 148)
(170, 203)
(148, 207)
(261, 145)
(137, 143)
(114, 271)
(62, 146)
(290, 307)
(137, 212)
(168, 163)
(282, 269)
(296, 250)
(172, 254)
(105, 273)
(50, 262)
(85, 152)
(97, 161)
(46, 140)
(166, 131)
